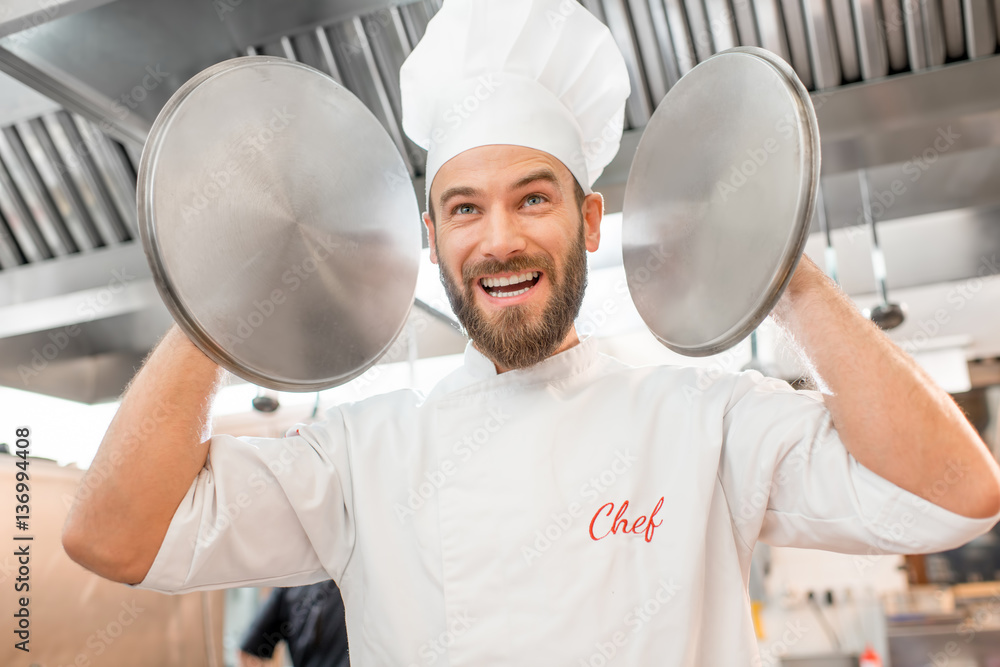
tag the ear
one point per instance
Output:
(593, 213)
(430, 237)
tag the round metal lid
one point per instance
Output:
(719, 199)
(280, 223)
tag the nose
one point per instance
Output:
(503, 236)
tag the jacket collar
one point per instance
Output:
(564, 364)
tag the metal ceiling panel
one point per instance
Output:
(21, 16)
(722, 24)
(698, 25)
(390, 46)
(313, 48)
(356, 62)
(895, 33)
(680, 36)
(63, 191)
(116, 172)
(82, 173)
(416, 16)
(648, 38)
(665, 43)
(954, 29)
(772, 27)
(898, 118)
(795, 30)
(746, 23)
(18, 217)
(934, 31)
(822, 43)
(638, 107)
(10, 253)
(873, 57)
(980, 27)
(924, 27)
(847, 44)
(18, 101)
(916, 46)
(32, 188)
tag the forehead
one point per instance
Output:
(493, 167)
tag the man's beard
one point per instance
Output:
(511, 340)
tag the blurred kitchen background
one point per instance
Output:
(907, 94)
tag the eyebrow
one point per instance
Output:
(543, 174)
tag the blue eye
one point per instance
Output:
(530, 197)
(458, 209)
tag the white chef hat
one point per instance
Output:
(545, 74)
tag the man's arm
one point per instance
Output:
(153, 450)
(888, 412)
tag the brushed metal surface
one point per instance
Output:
(279, 222)
(954, 29)
(895, 33)
(873, 55)
(684, 47)
(847, 43)
(822, 44)
(795, 31)
(772, 27)
(980, 28)
(708, 250)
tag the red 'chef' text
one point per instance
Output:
(620, 524)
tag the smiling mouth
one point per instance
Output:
(511, 285)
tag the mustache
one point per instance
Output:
(516, 264)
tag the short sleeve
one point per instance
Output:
(790, 481)
(262, 512)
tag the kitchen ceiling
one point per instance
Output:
(908, 90)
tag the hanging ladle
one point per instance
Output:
(886, 315)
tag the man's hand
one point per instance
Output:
(888, 412)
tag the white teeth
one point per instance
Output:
(504, 295)
(513, 280)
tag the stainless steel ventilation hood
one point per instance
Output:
(907, 89)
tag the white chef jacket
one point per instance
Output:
(577, 512)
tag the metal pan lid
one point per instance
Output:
(280, 223)
(719, 199)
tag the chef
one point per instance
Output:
(544, 504)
